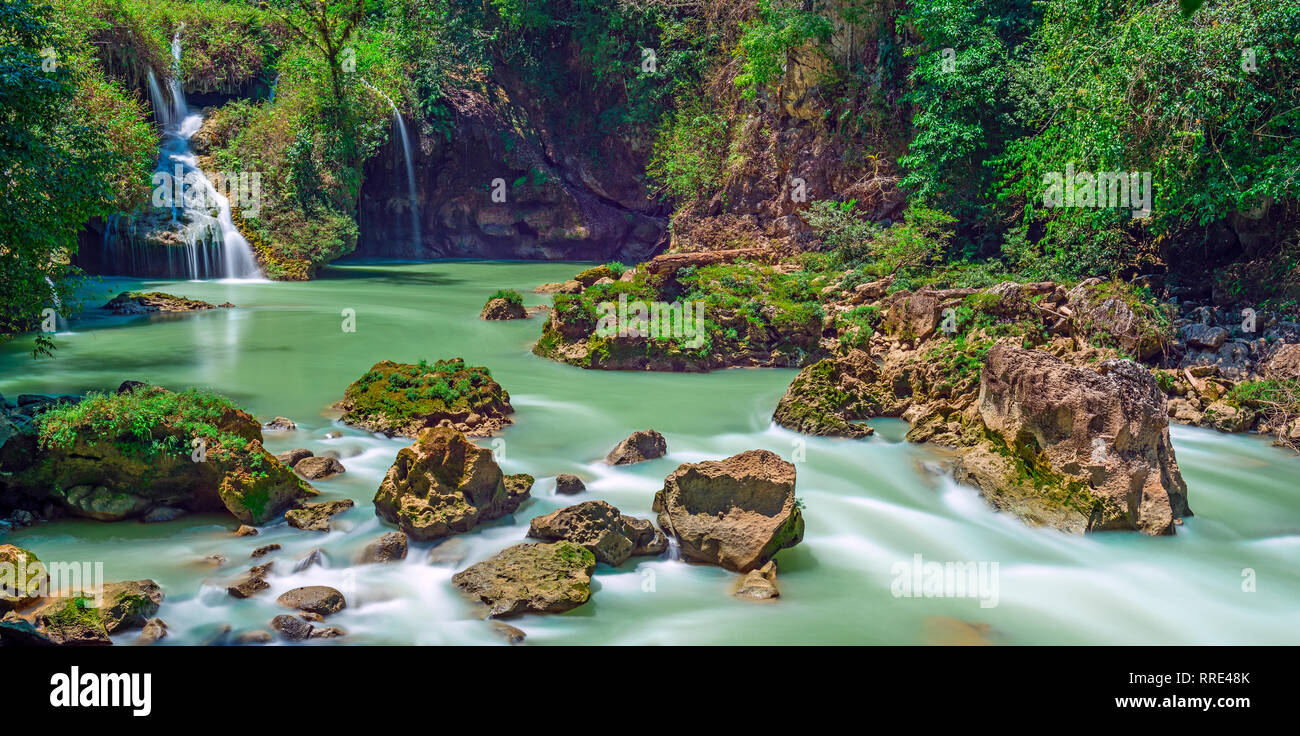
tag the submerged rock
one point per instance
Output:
(531, 578)
(599, 527)
(1077, 448)
(735, 513)
(444, 484)
(642, 445)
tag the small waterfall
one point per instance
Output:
(193, 234)
(400, 124)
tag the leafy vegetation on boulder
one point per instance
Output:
(403, 398)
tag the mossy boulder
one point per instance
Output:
(612, 536)
(404, 398)
(594, 274)
(828, 395)
(23, 577)
(119, 456)
(82, 620)
(531, 578)
(444, 484)
(1080, 448)
(143, 302)
(504, 305)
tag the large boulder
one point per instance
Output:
(1112, 314)
(1284, 363)
(642, 445)
(444, 484)
(503, 306)
(913, 316)
(139, 302)
(124, 455)
(76, 620)
(530, 578)
(611, 536)
(1078, 448)
(736, 512)
(827, 396)
(404, 398)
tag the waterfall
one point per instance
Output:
(193, 235)
(412, 198)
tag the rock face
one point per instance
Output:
(403, 398)
(315, 517)
(110, 478)
(611, 536)
(736, 512)
(445, 484)
(1103, 432)
(391, 547)
(319, 599)
(642, 445)
(531, 578)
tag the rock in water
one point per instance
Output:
(319, 468)
(760, 584)
(445, 484)
(736, 513)
(30, 578)
(531, 578)
(281, 424)
(391, 547)
(612, 537)
(403, 398)
(315, 517)
(154, 630)
(500, 308)
(138, 302)
(254, 581)
(291, 457)
(642, 445)
(320, 599)
(569, 484)
(1095, 440)
(291, 628)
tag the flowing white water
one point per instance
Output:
(211, 247)
(1228, 576)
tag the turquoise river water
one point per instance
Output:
(1229, 576)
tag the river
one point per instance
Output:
(1229, 576)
